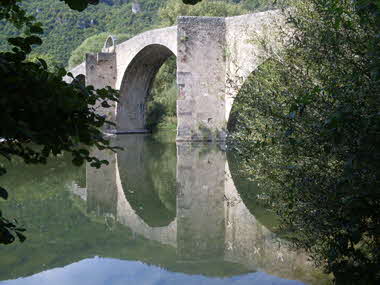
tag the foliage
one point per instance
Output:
(248, 4)
(162, 104)
(65, 29)
(169, 13)
(51, 62)
(307, 128)
(41, 114)
(259, 4)
(92, 44)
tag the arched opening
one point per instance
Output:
(250, 112)
(135, 91)
(148, 176)
(162, 100)
(251, 91)
(250, 192)
(110, 42)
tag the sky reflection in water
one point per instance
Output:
(99, 271)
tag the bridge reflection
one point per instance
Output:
(183, 195)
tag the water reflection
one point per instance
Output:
(172, 206)
(100, 271)
(210, 223)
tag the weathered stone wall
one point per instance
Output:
(101, 70)
(201, 79)
(100, 73)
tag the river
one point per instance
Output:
(160, 213)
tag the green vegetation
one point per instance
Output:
(259, 5)
(92, 44)
(307, 128)
(65, 29)
(169, 13)
(42, 115)
(162, 102)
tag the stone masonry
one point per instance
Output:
(214, 58)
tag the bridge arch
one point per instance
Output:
(138, 61)
(251, 40)
(215, 56)
(136, 84)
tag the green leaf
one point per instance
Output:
(21, 237)
(36, 29)
(3, 193)
(43, 63)
(33, 40)
(78, 5)
(191, 2)
(84, 152)
(105, 104)
(78, 161)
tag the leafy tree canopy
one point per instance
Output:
(41, 114)
(169, 13)
(307, 127)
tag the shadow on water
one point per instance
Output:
(175, 206)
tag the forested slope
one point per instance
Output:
(66, 29)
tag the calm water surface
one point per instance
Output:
(160, 213)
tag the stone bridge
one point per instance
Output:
(214, 57)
